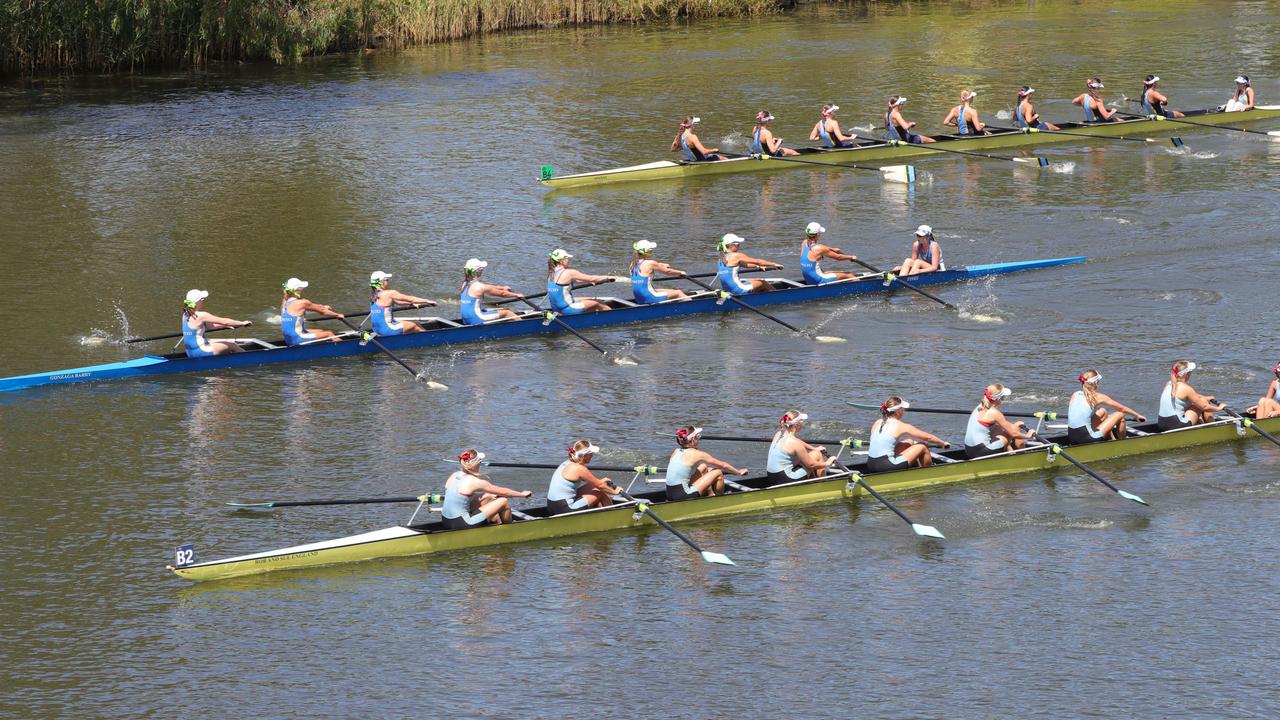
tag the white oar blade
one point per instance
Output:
(927, 531)
(623, 360)
(433, 385)
(905, 174)
(1131, 496)
(717, 558)
(265, 505)
(830, 339)
(1274, 133)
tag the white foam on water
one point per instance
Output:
(733, 141)
(981, 317)
(868, 128)
(1064, 167)
(96, 337)
(1004, 115)
(1119, 220)
(270, 318)
(1185, 151)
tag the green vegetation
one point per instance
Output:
(125, 35)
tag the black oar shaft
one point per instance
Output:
(556, 319)
(947, 411)
(1038, 131)
(301, 503)
(550, 466)
(1087, 470)
(825, 164)
(934, 148)
(909, 286)
(1182, 121)
(374, 341)
(748, 306)
(1253, 425)
(734, 438)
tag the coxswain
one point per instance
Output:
(560, 280)
(988, 432)
(791, 458)
(762, 140)
(813, 250)
(381, 301)
(196, 321)
(827, 129)
(1153, 101)
(896, 444)
(470, 500)
(687, 141)
(1180, 405)
(964, 117)
(926, 254)
(474, 291)
(1269, 405)
(1088, 419)
(1242, 98)
(1025, 115)
(731, 260)
(642, 269)
(292, 308)
(1091, 100)
(692, 472)
(575, 487)
(896, 127)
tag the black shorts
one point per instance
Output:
(560, 507)
(1171, 422)
(883, 464)
(780, 477)
(676, 492)
(1081, 436)
(977, 451)
(460, 523)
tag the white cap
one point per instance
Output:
(901, 100)
(195, 296)
(768, 118)
(559, 254)
(1028, 91)
(379, 276)
(797, 419)
(1095, 85)
(1004, 393)
(1242, 80)
(1093, 380)
(924, 231)
(1187, 370)
(643, 245)
(470, 459)
(731, 239)
(293, 284)
(588, 450)
(831, 109)
(695, 121)
(1154, 79)
(475, 264)
(904, 405)
(969, 95)
(814, 228)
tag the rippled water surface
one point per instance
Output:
(1050, 597)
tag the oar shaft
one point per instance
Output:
(928, 146)
(374, 341)
(748, 306)
(733, 438)
(1182, 121)
(825, 164)
(1038, 131)
(909, 286)
(549, 466)
(1253, 425)
(942, 411)
(356, 501)
(556, 319)
(1088, 471)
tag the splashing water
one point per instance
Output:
(868, 128)
(97, 337)
(1004, 115)
(1065, 167)
(733, 140)
(981, 317)
(1185, 151)
(1119, 220)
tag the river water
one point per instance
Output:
(1050, 597)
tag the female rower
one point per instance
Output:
(1180, 405)
(1091, 100)
(731, 260)
(642, 269)
(196, 322)
(812, 251)
(692, 472)
(791, 458)
(926, 254)
(474, 291)
(470, 500)
(897, 128)
(988, 432)
(292, 308)
(1243, 97)
(381, 300)
(896, 444)
(827, 129)
(687, 140)
(965, 117)
(762, 140)
(1269, 405)
(1025, 116)
(560, 280)
(575, 487)
(1087, 417)
(1153, 101)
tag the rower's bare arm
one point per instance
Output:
(667, 269)
(322, 309)
(835, 254)
(813, 134)
(486, 486)
(951, 118)
(225, 322)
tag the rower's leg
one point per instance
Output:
(498, 510)
(1107, 425)
(759, 286)
(224, 347)
(590, 306)
(917, 455)
(410, 326)
(504, 313)
(710, 482)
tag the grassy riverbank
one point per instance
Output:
(124, 35)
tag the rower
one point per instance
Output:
(642, 269)
(575, 487)
(762, 140)
(731, 260)
(382, 298)
(827, 129)
(895, 444)
(470, 500)
(963, 116)
(1153, 101)
(896, 127)
(695, 473)
(1091, 100)
(988, 432)
(196, 322)
(1180, 405)
(1087, 418)
(292, 308)
(687, 140)
(926, 254)
(791, 458)
(812, 251)
(560, 280)
(1269, 405)
(1025, 115)
(1243, 97)
(473, 294)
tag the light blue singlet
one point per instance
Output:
(193, 340)
(473, 313)
(978, 435)
(962, 122)
(642, 285)
(562, 488)
(1080, 415)
(561, 296)
(293, 328)
(456, 505)
(812, 269)
(679, 474)
(383, 321)
(1171, 406)
(827, 140)
(1020, 121)
(781, 461)
(729, 279)
(688, 152)
(1089, 115)
(883, 445)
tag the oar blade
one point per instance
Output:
(263, 505)
(1177, 142)
(1274, 133)
(829, 339)
(1131, 496)
(927, 531)
(626, 360)
(904, 174)
(717, 558)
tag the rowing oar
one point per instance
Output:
(1271, 133)
(643, 507)
(730, 296)
(905, 174)
(1056, 448)
(1252, 425)
(847, 442)
(554, 317)
(1177, 141)
(1041, 415)
(894, 278)
(923, 530)
(640, 469)
(1042, 162)
(168, 336)
(368, 337)
(428, 498)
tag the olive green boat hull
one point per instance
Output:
(884, 152)
(431, 538)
